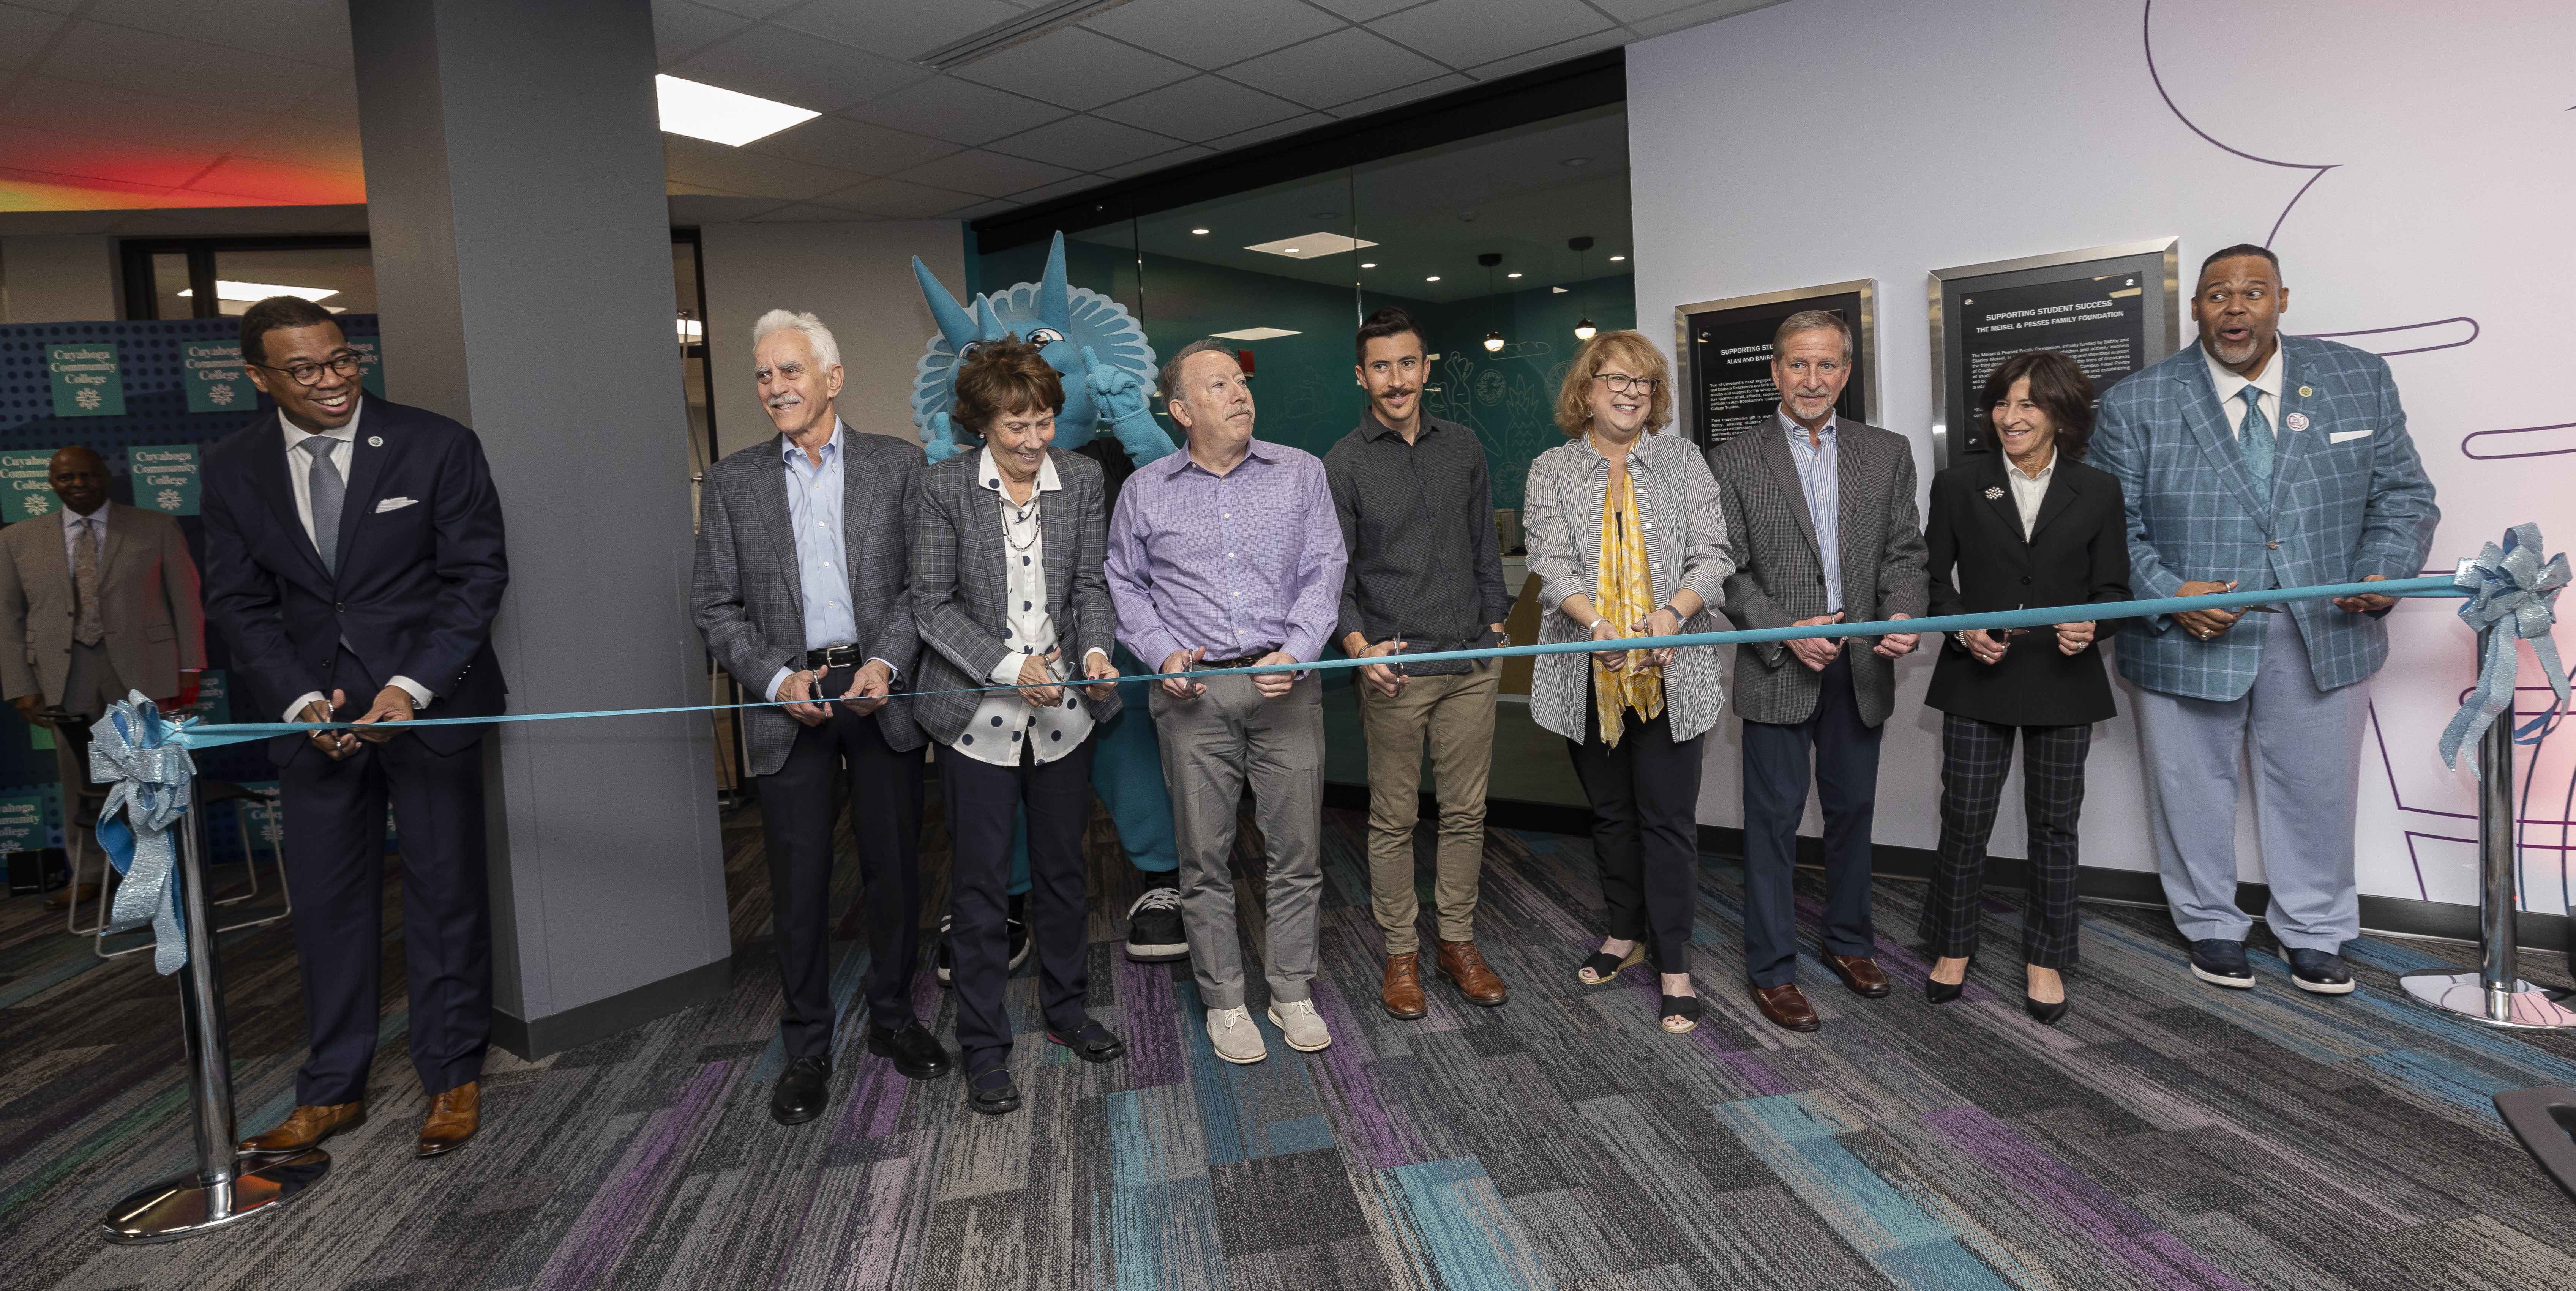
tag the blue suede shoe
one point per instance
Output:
(2221, 962)
(2320, 972)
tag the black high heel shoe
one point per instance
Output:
(2044, 1014)
(1944, 992)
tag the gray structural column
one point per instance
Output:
(523, 268)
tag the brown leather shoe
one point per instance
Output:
(306, 1126)
(64, 899)
(1861, 974)
(453, 1118)
(1402, 991)
(1459, 962)
(1786, 1006)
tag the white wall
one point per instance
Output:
(858, 278)
(66, 278)
(1823, 140)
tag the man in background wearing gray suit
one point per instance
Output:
(1821, 525)
(804, 561)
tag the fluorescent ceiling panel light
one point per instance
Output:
(1311, 246)
(1199, 232)
(1013, 31)
(1368, 264)
(1617, 259)
(1556, 291)
(1254, 334)
(722, 116)
(263, 290)
(1435, 278)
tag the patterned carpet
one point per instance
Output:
(2166, 1135)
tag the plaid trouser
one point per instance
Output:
(1975, 757)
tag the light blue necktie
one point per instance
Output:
(328, 489)
(2254, 440)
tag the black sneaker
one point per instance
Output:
(2320, 972)
(992, 1093)
(941, 962)
(2221, 962)
(1154, 933)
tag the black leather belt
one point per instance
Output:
(1244, 662)
(839, 656)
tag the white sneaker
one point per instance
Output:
(1300, 1025)
(1234, 1035)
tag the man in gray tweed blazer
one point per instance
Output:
(803, 563)
(1821, 524)
(2258, 460)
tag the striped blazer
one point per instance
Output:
(1685, 528)
(960, 584)
(2349, 499)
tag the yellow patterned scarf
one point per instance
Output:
(1624, 594)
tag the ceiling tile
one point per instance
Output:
(681, 29)
(1694, 15)
(55, 153)
(1049, 192)
(1160, 161)
(1212, 33)
(1406, 94)
(1365, 10)
(751, 8)
(104, 112)
(897, 200)
(981, 209)
(23, 32)
(312, 31)
(1274, 130)
(985, 174)
(679, 152)
(1074, 67)
(778, 64)
(1464, 33)
(809, 213)
(337, 101)
(1606, 38)
(185, 69)
(33, 190)
(960, 111)
(901, 31)
(852, 145)
(325, 144)
(1631, 10)
(1346, 65)
(1084, 143)
(278, 181)
(1201, 107)
(757, 175)
(65, 7)
(693, 208)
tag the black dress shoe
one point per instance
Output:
(2044, 1014)
(1944, 992)
(2320, 972)
(801, 1091)
(2221, 962)
(915, 1051)
(992, 1093)
(1093, 1043)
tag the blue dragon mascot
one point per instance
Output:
(1100, 353)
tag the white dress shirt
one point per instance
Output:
(1003, 720)
(96, 525)
(300, 480)
(2028, 490)
(2231, 389)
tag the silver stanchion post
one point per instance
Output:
(226, 1186)
(2496, 994)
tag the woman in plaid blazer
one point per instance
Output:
(2029, 525)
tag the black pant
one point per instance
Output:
(1975, 757)
(1776, 767)
(335, 856)
(983, 800)
(1645, 831)
(798, 805)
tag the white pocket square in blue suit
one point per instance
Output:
(2346, 436)
(394, 504)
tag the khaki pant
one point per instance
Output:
(1456, 715)
(1213, 746)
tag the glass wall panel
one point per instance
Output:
(340, 280)
(170, 295)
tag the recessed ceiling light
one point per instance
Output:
(1556, 291)
(1617, 259)
(1511, 275)
(1310, 246)
(722, 116)
(1199, 232)
(1254, 334)
(263, 290)
(1368, 264)
(1288, 251)
(1433, 278)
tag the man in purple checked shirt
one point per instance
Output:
(1228, 555)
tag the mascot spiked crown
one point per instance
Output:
(1091, 341)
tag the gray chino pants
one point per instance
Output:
(1212, 746)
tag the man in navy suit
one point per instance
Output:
(353, 563)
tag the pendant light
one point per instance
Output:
(1493, 340)
(1583, 328)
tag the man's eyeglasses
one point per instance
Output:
(1620, 384)
(343, 364)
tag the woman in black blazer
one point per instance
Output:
(2029, 525)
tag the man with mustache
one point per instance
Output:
(1821, 523)
(2256, 460)
(1425, 574)
(801, 591)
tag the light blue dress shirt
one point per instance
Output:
(822, 566)
(1820, 478)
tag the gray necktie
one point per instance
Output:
(329, 490)
(87, 626)
(2254, 443)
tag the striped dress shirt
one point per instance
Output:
(1820, 476)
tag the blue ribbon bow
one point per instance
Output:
(2511, 596)
(143, 757)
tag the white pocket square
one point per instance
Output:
(2344, 436)
(397, 504)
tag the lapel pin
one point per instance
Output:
(375, 441)
(2304, 392)
(2296, 421)
(1994, 491)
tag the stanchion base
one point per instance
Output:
(2525, 1008)
(186, 1206)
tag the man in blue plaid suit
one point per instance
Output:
(2251, 461)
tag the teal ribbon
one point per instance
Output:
(145, 761)
(2512, 596)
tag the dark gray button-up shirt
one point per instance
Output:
(1418, 522)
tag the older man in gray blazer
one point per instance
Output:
(1822, 529)
(802, 568)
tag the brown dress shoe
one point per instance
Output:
(1786, 1006)
(307, 1126)
(1861, 974)
(1402, 991)
(1459, 962)
(63, 899)
(453, 1118)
